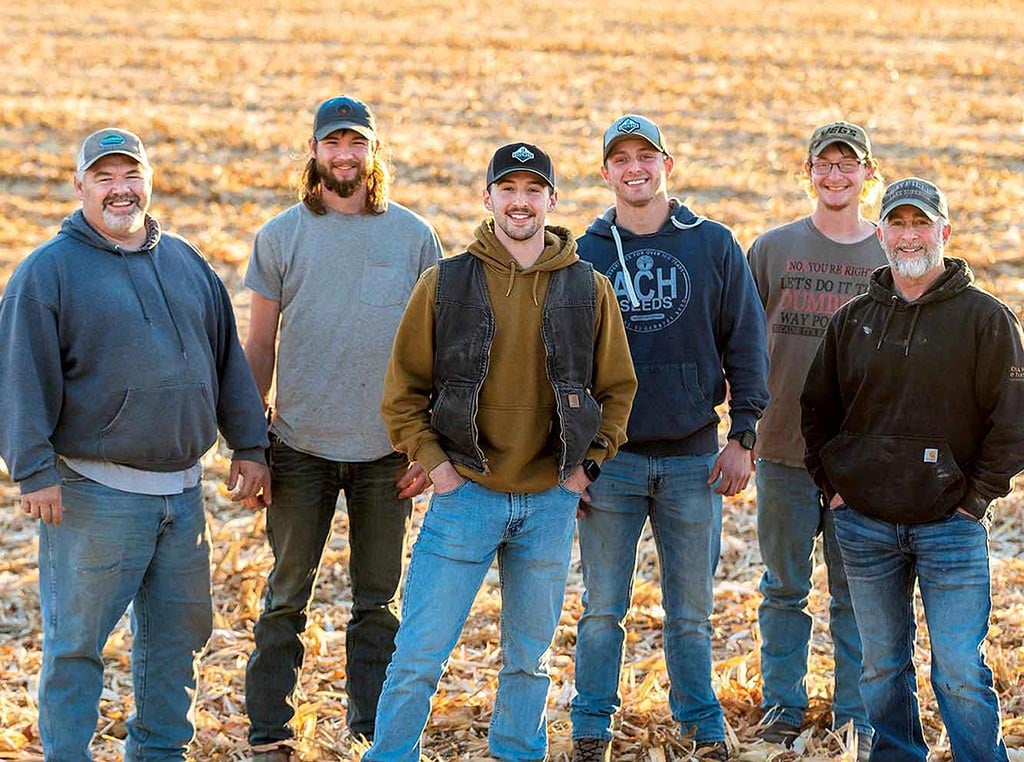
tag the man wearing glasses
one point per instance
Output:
(805, 271)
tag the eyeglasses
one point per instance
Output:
(846, 166)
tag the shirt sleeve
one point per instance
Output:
(614, 381)
(821, 407)
(999, 386)
(265, 274)
(32, 378)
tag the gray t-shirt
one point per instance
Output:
(803, 277)
(343, 281)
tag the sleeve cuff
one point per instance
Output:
(255, 454)
(429, 455)
(975, 504)
(39, 480)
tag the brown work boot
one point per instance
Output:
(712, 751)
(591, 750)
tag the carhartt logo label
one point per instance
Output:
(112, 140)
(931, 455)
(522, 154)
(628, 125)
(574, 400)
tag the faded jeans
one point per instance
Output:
(789, 518)
(113, 550)
(949, 561)
(463, 530)
(305, 489)
(686, 518)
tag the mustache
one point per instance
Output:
(118, 197)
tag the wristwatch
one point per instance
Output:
(747, 439)
(591, 469)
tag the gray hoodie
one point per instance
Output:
(130, 357)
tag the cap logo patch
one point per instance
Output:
(344, 109)
(522, 154)
(629, 124)
(112, 140)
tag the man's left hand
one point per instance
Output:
(734, 465)
(249, 482)
(412, 481)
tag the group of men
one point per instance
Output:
(545, 386)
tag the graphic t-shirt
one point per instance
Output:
(803, 277)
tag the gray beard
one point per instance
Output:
(915, 268)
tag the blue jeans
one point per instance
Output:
(111, 550)
(788, 520)
(298, 527)
(463, 530)
(949, 560)
(686, 518)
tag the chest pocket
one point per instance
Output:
(385, 284)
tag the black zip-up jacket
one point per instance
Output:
(911, 410)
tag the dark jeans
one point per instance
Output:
(305, 491)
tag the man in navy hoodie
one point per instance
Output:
(119, 361)
(694, 322)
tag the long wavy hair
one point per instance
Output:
(378, 184)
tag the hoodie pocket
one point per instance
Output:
(162, 428)
(901, 479)
(669, 404)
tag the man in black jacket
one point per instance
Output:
(911, 415)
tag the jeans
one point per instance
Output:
(949, 560)
(788, 520)
(113, 550)
(686, 518)
(299, 522)
(463, 530)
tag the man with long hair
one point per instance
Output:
(332, 275)
(805, 271)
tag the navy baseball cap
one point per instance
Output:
(520, 157)
(918, 193)
(634, 126)
(111, 140)
(344, 113)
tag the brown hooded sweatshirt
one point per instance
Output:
(517, 405)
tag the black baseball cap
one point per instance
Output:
(918, 193)
(520, 157)
(344, 113)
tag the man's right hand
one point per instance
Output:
(445, 478)
(44, 504)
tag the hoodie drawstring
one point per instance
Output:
(512, 281)
(135, 286)
(910, 334)
(167, 302)
(888, 319)
(625, 271)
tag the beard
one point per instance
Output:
(518, 233)
(120, 222)
(913, 268)
(343, 188)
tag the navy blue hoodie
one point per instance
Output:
(693, 319)
(126, 356)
